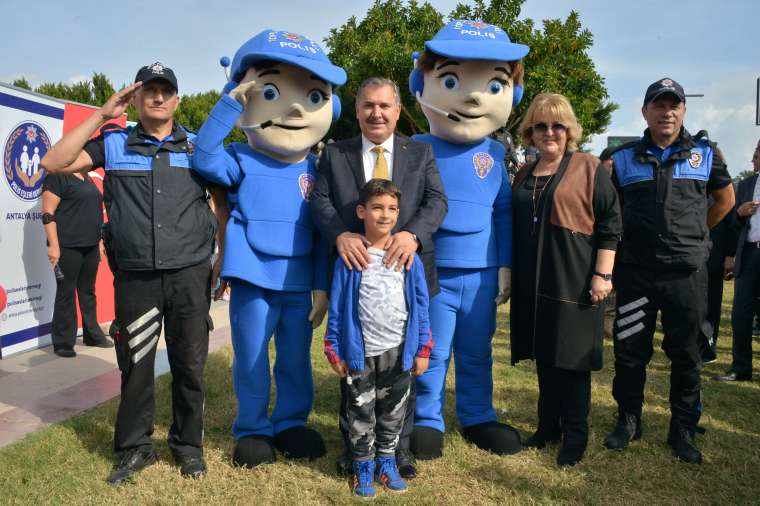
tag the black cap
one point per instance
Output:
(665, 85)
(156, 71)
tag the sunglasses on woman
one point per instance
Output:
(543, 127)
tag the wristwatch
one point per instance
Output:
(47, 218)
(606, 277)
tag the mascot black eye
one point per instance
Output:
(270, 92)
(316, 96)
(495, 86)
(449, 82)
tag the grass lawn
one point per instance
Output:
(68, 462)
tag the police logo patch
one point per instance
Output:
(25, 147)
(157, 68)
(695, 159)
(293, 37)
(306, 185)
(477, 24)
(483, 163)
(666, 82)
(190, 147)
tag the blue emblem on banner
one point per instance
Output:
(25, 147)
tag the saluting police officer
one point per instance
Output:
(159, 239)
(664, 180)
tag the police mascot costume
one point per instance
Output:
(467, 81)
(280, 93)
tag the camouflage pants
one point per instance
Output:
(376, 406)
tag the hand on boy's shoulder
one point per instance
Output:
(400, 250)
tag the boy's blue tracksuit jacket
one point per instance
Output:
(343, 337)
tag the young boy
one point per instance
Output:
(378, 334)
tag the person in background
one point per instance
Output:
(566, 225)
(746, 269)
(72, 215)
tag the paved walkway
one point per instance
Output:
(38, 388)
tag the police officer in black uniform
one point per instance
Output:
(664, 180)
(159, 240)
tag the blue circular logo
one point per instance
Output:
(24, 149)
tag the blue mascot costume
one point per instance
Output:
(466, 82)
(281, 95)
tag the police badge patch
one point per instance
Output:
(306, 185)
(483, 163)
(24, 149)
(695, 159)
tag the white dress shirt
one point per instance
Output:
(753, 234)
(369, 157)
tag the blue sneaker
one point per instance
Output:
(387, 474)
(363, 472)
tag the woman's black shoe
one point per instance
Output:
(100, 343)
(538, 440)
(65, 352)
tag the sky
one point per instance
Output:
(711, 47)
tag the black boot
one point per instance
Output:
(253, 450)
(539, 439)
(130, 463)
(628, 429)
(681, 440)
(426, 443)
(300, 443)
(570, 454)
(495, 437)
(407, 466)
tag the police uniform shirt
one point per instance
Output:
(157, 210)
(664, 199)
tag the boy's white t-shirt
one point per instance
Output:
(382, 305)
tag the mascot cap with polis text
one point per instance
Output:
(286, 47)
(475, 40)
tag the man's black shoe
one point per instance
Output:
(732, 376)
(539, 440)
(130, 463)
(684, 449)
(191, 467)
(345, 463)
(628, 428)
(406, 463)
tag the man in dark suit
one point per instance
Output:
(746, 222)
(344, 168)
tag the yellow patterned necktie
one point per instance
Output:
(381, 166)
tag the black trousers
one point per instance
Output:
(564, 401)
(80, 268)
(714, 303)
(681, 297)
(746, 294)
(406, 429)
(179, 299)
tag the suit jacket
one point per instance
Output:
(423, 203)
(740, 224)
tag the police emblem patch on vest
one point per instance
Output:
(25, 147)
(190, 147)
(483, 163)
(306, 185)
(695, 159)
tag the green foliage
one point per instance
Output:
(744, 175)
(194, 109)
(22, 83)
(381, 44)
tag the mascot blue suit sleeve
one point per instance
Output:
(281, 94)
(467, 81)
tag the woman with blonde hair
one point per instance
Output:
(566, 226)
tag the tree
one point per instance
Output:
(381, 44)
(22, 83)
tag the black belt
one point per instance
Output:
(749, 244)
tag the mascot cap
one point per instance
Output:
(475, 40)
(286, 47)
